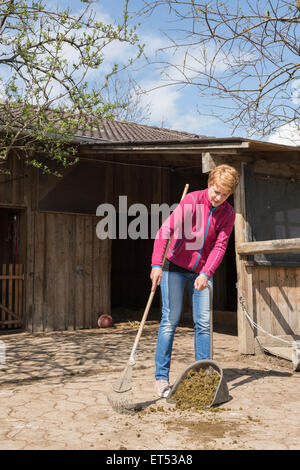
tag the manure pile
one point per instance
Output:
(197, 389)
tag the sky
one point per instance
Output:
(173, 107)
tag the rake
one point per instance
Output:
(120, 396)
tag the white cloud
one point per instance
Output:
(192, 122)
(296, 91)
(288, 134)
(162, 100)
(153, 44)
(167, 110)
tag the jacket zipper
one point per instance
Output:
(208, 222)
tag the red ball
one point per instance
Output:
(105, 321)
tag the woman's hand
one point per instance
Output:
(201, 282)
(155, 276)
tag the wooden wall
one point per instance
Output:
(68, 271)
(13, 188)
(276, 289)
(276, 299)
(71, 273)
(271, 293)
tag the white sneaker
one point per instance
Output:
(162, 388)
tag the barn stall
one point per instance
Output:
(57, 275)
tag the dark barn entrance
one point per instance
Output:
(12, 244)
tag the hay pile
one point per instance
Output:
(197, 389)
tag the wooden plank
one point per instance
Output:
(281, 169)
(282, 325)
(105, 270)
(11, 322)
(284, 352)
(39, 271)
(277, 341)
(254, 297)
(14, 276)
(10, 289)
(10, 312)
(212, 159)
(3, 314)
(20, 299)
(88, 272)
(67, 255)
(71, 272)
(50, 270)
(264, 314)
(16, 301)
(269, 246)
(208, 163)
(96, 267)
(61, 281)
(273, 291)
(245, 331)
(15, 182)
(292, 299)
(76, 214)
(79, 273)
(8, 205)
(251, 281)
(30, 232)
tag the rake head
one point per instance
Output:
(121, 404)
(120, 397)
(124, 383)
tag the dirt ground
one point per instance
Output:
(54, 389)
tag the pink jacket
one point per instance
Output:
(200, 234)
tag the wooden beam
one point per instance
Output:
(211, 160)
(244, 273)
(208, 163)
(269, 246)
(19, 276)
(183, 146)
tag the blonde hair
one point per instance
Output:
(225, 176)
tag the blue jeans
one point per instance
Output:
(172, 288)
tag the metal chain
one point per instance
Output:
(258, 327)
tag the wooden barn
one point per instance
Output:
(57, 275)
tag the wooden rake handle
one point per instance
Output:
(151, 296)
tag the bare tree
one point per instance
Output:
(241, 55)
(127, 94)
(46, 57)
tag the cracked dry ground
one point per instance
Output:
(54, 389)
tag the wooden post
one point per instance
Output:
(208, 163)
(30, 200)
(3, 314)
(244, 276)
(16, 301)
(10, 291)
(20, 299)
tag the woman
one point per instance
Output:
(200, 226)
